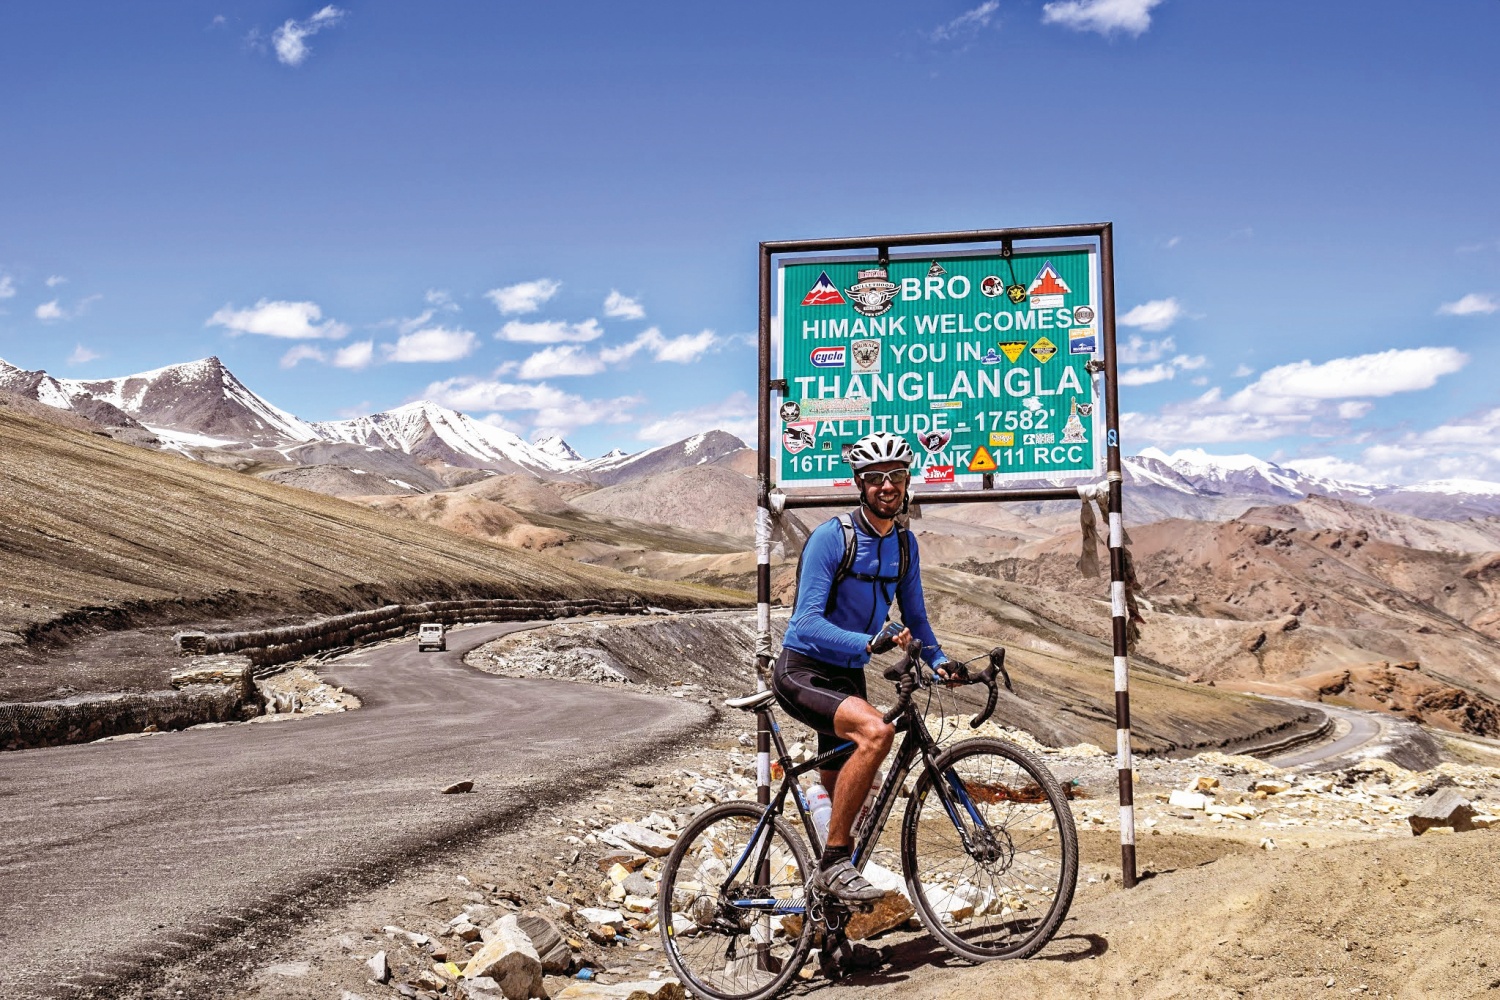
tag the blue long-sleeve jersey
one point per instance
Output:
(839, 637)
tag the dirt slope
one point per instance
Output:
(1390, 918)
(97, 533)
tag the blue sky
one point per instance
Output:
(547, 214)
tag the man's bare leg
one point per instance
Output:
(859, 721)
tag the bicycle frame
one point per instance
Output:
(917, 741)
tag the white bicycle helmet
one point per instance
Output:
(881, 446)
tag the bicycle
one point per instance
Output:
(989, 855)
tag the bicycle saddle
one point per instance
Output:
(751, 702)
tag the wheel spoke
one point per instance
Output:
(1005, 894)
(737, 930)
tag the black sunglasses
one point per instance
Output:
(898, 477)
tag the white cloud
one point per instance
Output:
(440, 298)
(553, 411)
(290, 40)
(1173, 242)
(356, 355)
(434, 343)
(526, 297)
(683, 349)
(569, 359)
(55, 280)
(1155, 316)
(1330, 467)
(1104, 16)
(1164, 371)
(735, 415)
(1354, 409)
(7, 287)
(291, 320)
(82, 355)
(1470, 305)
(550, 331)
(1301, 398)
(54, 310)
(563, 359)
(504, 423)
(300, 353)
(1381, 374)
(1139, 351)
(967, 23)
(617, 306)
(1242, 371)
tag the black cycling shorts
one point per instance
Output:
(811, 692)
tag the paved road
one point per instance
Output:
(1364, 728)
(118, 856)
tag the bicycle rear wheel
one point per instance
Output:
(994, 878)
(728, 934)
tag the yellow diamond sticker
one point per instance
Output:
(981, 462)
(1043, 350)
(1012, 349)
(1002, 439)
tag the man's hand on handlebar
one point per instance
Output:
(950, 672)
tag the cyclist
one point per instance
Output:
(839, 620)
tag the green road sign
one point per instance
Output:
(977, 360)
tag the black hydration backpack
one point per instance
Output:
(846, 564)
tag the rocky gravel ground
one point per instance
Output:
(584, 882)
(565, 906)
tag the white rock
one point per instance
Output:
(1188, 800)
(603, 917)
(639, 837)
(380, 969)
(510, 960)
(292, 970)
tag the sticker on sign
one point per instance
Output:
(835, 409)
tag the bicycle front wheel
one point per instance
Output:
(991, 859)
(732, 904)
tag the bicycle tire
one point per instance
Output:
(1019, 886)
(701, 934)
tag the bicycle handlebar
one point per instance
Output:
(899, 672)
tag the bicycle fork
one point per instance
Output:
(978, 840)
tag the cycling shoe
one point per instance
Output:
(844, 882)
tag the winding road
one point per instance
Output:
(121, 856)
(1364, 728)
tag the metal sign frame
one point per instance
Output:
(879, 248)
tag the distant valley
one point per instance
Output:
(1251, 574)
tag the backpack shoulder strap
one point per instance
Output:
(841, 571)
(846, 563)
(903, 541)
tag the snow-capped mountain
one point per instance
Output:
(200, 403)
(1227, 485)
(700, 449)
(559, 449)
(201, 407)
(429, 432)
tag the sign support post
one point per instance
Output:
(991, 377)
